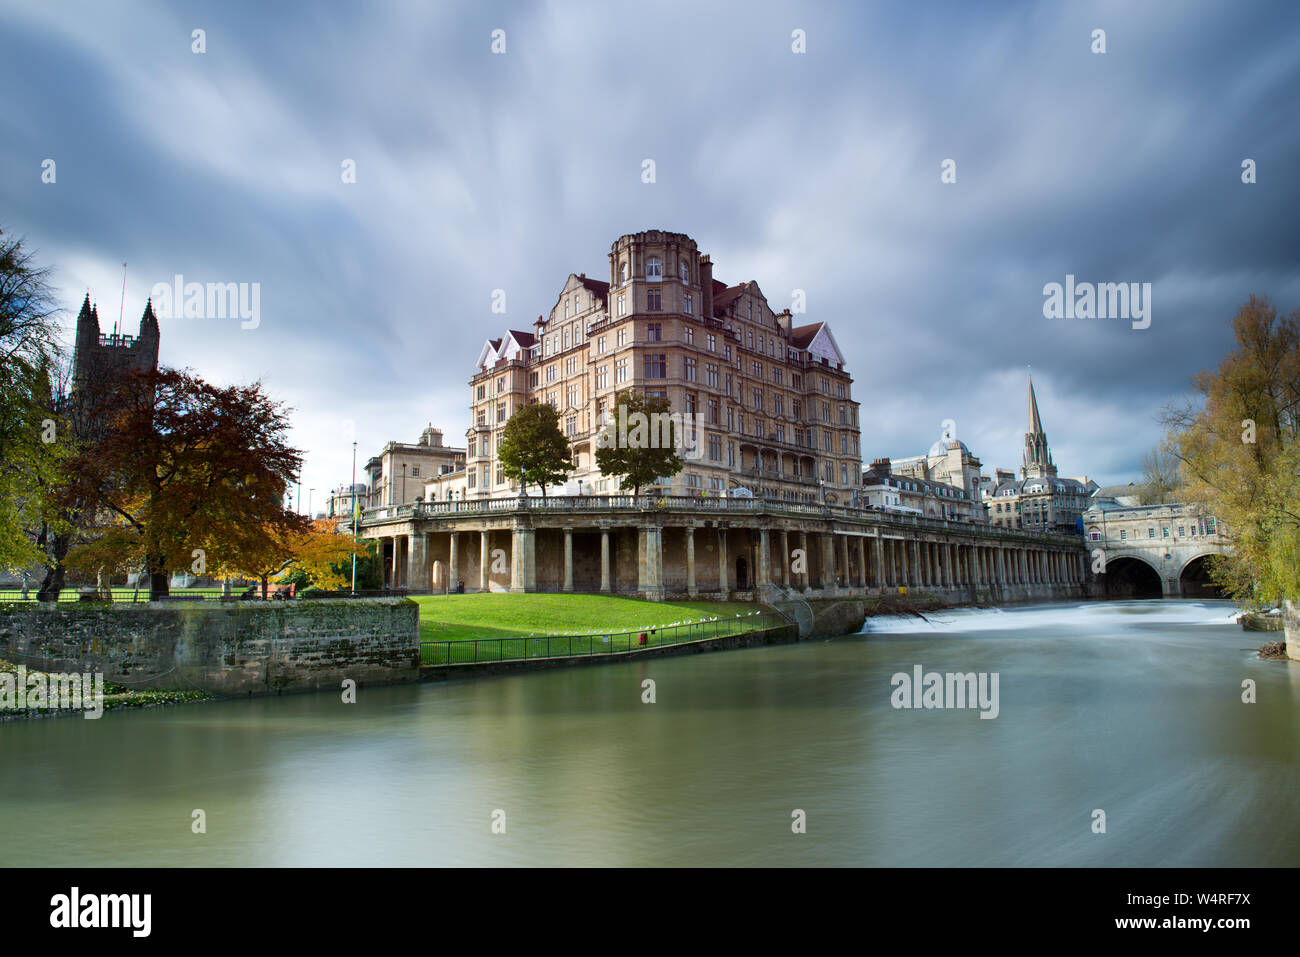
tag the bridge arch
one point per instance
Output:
(1130, 576)
(1194, 578)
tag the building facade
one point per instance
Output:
(1039, 500)
(950, 463)
(889, 489)
(400, 472)
(773, 400)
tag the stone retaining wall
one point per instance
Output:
(231, 648)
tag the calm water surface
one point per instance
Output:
(1131, 707)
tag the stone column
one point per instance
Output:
(650, 562)
(484, 560)
(785, 558)
(523, 560)
(604, 561)
(828, 562)
(453, 561)
(691, 590)
(418, 575)
(844, 561)
(878, 561)
(568, 559)
(862, 560)
(763, 574)
(803, 546)
(723, 588)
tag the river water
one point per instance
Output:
(1131, 708)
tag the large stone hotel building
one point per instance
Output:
(774, 398)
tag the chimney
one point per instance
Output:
(706, 285)
(880, 467)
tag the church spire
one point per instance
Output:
(1035, 424)
(1038, 459)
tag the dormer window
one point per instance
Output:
(654, 269)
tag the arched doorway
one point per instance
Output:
(742, 574)
(1195, 580)
(1130, 578)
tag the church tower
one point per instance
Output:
(1038, 458)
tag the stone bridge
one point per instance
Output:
(658, 547)
(1153, 550)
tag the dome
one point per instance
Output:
(943, 445)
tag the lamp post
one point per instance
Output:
(353, 500)
(309, 491)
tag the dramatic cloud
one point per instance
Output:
(818, 171)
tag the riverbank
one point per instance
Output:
(117, 697)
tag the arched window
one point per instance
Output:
(683, 271)
(622, 272)
(654, 268)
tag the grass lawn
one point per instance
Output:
(552, 620)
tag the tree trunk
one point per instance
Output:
(265, 584)
(159, 585)
(52, 584)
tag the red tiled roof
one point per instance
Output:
(525, 339)
(801, 336)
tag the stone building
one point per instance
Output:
(1152, 550)
(949, 462)
(101, 362)
(774, 400)
(887, 488)
(1039, 500)
(400, 472)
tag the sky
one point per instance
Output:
(820, 171)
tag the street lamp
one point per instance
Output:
(309, 491)
(353, 500)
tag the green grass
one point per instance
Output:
(541, 626)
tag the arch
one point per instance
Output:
(1127, 576)
(1194, 578)
(742, 573)
(440, 582)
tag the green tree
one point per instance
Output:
(640, 441)
(1240, 454)
(28, 354)
(533, 449)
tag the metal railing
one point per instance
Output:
(470, 651)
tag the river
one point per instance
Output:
(1131, 708)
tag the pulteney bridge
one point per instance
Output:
(1153, 550)
(669, 546)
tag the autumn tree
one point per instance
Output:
(315, 550)
(533, 449)
(639, 441)
(28, 354)
(187, 474)
(1160, 476)
(1240, 454)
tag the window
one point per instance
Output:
(566, 336)
(481, 418)
(482, 392)
(731, 452)
(796, 408)
(571, 365)
(712, 342)
(654, 332)
(501, 384)
(731, 419)
(751, 339)
(684, 272)
(1123, 534)
(780, 432)
(841, 390)
(501, 412)
(778, 404)
(571, 396)
(826, 411)
(602, 377)
(688, 306)
(620, 371)
(621, 306)
(656, 365)
(758, 399)
(690, 334)
(620, 338)
(844, 416)
(688, 370)
(692, 480)
(726, 352)
(571, 425)
(713, 412)
(654, 268)
(757, 369)
(471, 446)
(600, 345)
(471, 478)
(532, 380)
(652, 299)
(551, 373)
(1151, 533)
(622, 276)
(711, 374)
